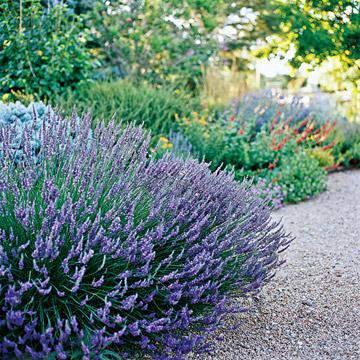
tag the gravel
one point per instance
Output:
(311, 310)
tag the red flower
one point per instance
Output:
(327, 147)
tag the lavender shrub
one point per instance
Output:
(104, 252)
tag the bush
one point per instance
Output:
(264, 107)
(23, 121)
(300, 177)
(352, 156)
(104, 251)
(323, 157)
(262, 153)
(350, 144)
(156, 109)
(42, 50)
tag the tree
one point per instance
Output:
(42, 50)
(318, 28)
(157, 41)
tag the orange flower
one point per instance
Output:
(329, 146)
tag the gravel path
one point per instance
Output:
(311, 310)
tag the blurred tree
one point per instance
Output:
(317, 28)
(42, 50)
(162, 41)
(158, 41)
(322, 33)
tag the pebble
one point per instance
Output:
(307, 303)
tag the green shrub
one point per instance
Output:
(206, 137)
(300, 177)
(324, 157)
(231, 144)
(349, 146)
(156, 108)
(281, 156)
(42, 51)
(352, 156)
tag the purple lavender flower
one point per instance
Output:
(103, 248)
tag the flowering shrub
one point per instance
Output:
(105, 251)
(263, 153)
(21, 119)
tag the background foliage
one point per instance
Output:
(156, 109)
(42, 50)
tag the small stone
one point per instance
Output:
(307, 303)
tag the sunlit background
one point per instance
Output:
(218, 48)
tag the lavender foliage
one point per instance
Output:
(103, 249)
(181, 146)
(262, 107)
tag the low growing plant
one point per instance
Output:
(105, 252)
(300, 177)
